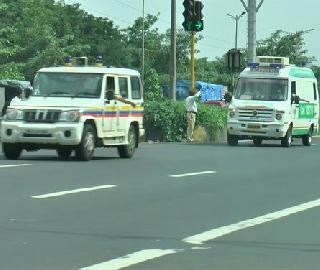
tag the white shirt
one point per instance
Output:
(191, 105)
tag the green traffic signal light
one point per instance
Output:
(193, 15)
(198, 22)
(198, 25)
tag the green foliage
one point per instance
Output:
(166, 120)
(11, 71)
(285, 44)
(152, 87)
(212, 118)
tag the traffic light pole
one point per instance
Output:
(173, 73)
(192, 60)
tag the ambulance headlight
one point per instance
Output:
(69, 116)
(279, 115)
(13, 115)
(232, 113)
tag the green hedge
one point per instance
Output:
(166, 120)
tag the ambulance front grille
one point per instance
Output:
(258, 115)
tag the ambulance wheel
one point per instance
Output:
(307, 139)
(232, 139)
(257, 141)
(11, 150)
(64, 153)
(286, 141)
(85, 149)
(127, 151)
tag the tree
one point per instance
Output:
(285, 44)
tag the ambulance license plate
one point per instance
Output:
(254, 126)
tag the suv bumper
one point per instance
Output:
(59, 133)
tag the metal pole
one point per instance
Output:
(252, 10)
(252, 31)
(142, 42)
(236, 43)
(173, 69)
(192, 60)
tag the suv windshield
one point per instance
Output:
(68, 84)
(262, 89)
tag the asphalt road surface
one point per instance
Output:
(170, 207)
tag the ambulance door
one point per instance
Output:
(305, 110)
(294, 105)
(109, 110)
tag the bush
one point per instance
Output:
(166, 120)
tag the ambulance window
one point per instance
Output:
(135, 87)
(293, 88)
(123, 87)
(110, 84)
(315, 91)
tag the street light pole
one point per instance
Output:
(143, 42)
(236, 18)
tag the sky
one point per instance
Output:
(219, 28)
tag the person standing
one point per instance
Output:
(191, 108)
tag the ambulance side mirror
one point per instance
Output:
(295, 99)
(110, 95)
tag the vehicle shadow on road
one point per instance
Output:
(53, 158)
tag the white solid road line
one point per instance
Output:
(221, 231)
(131, 259)
(15, 165)
(62, 193)
(192, 174)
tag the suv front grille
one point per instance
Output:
(41, 116)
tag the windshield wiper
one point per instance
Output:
(84, 94)
(56, 93)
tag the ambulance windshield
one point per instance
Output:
(80, 85)
(262, 89)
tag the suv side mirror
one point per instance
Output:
(295, 99)
(28, 91)
(110, 94)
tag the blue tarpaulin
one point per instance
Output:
(209, 91)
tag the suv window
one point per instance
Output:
(110, 85)
(135, 87)
(123, 87)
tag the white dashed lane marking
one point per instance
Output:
(192, 174)
(68, 192)
(221, 231)
(131, 259)
(14, 165)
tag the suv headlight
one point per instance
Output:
(69, 116)
(13, 115)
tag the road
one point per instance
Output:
(172, 206)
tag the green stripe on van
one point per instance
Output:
(300, 131)
(301, 73)
(306, 111)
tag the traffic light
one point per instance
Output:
(193, 15)
(198, 16)
(188, 15)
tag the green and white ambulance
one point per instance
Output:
(274, 100)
